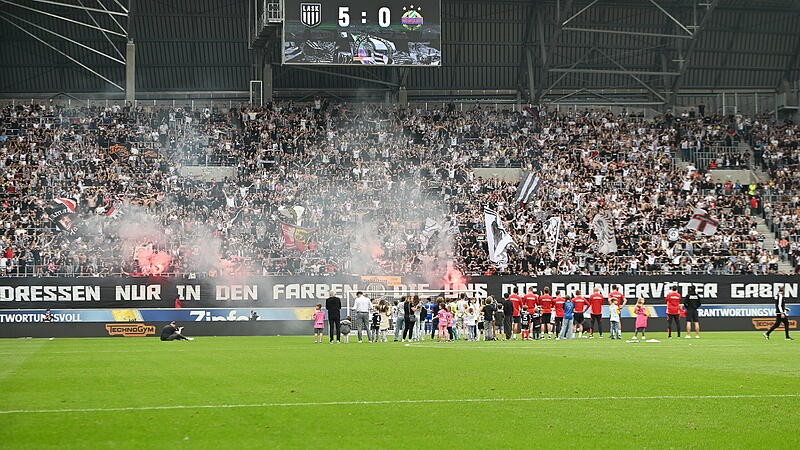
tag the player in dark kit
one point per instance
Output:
(173, 333)
(781, 311)
(525, 323)
(536, 323)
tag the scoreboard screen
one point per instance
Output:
(368, 32)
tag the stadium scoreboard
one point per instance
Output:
(366, 32)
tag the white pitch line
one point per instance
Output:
(396, 402)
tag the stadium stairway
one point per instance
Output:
(769, 243)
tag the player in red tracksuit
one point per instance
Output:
(615, 294)
(673, 300)
(580, 308)
(531, 300)
(558, 307)
(596, 302)
(516, 302)
(546, 303)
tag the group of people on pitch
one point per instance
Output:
(544, 316)
(527, 317)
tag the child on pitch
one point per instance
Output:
(385, 316)
(536, 323)
(525, 323)
(345, 327)
(451, 308)
(641, 319)
(613, 312)
(319, 323)
(375, 325)
(443, 317)
(470, 321)
(499, 318)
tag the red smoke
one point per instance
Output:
(152, 262)
(454, 279)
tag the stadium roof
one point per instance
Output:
(535, 48)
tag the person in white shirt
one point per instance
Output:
(362, 307)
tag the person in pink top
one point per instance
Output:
(319, 323)
(444, 321)
(641, 319)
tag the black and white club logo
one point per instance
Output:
(310, 14)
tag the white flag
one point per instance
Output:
(497, 238)
(552, 230)
(702, 222)
(606, 239)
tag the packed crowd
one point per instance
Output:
(777, 148)
(384, 190)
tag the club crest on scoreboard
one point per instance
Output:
(310, 14)
(412, 18)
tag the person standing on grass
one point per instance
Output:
(568, 316)
(399, 314)
(546, 303)
(516, 308)
(673, 300)
(429, 328)
(580, 308)
(488, 319)
(525, 323)
(435, 314)
(385, 311)
(508, 308)
(641, 319)
(781, 311)
(615, 294)
(536, 323)
(319, 323)
(442, 322)
(558, 307)
(375, 324)
(596, 301)
(362, 307)
(409, 319)
(499, 318)
(420, 333)
(692, 305)
(531, 300)
(334, 307)
(614, 315)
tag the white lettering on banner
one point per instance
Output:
(137, 292)
(763, 290)
(38, 317)
(310, 290)
(237, 292)
(188, 292)
(50, 293)
(208, 316)
(631, 291)
(736, 312)
(522, 288)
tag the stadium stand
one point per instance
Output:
(370, 178)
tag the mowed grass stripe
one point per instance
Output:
(398, 402)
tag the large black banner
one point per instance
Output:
(283, 291)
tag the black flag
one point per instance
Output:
(527, 187)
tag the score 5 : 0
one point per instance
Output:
(384, 16)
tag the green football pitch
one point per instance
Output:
(732, 390)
